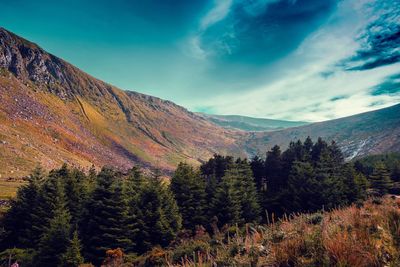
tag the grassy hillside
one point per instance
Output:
(52, 112)
(367, 235)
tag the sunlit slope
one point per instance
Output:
(51, 112)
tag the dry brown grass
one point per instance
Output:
(353, 236)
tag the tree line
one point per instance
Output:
(67, 217)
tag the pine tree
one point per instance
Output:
(18, 221)
(308, 145)
(226, 205)
(160, 215)
(72, 257)
(104, 224)
(355, 184)
(51, 194)
(274, 170)
(56, 236)
(190, 194)
(327, 161)
(76, 188)
(236, 199)
(135, 219)
(216, 166)
(380, 179)
(249, 197)
(304, 190)
(258, 168)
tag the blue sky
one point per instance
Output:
(308, 60)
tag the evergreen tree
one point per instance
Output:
(327, 160)
(308, 145)
(18, 221)
(355, 184)
(380, 179)
(104, 225)
(135, 217)
(226, 204)
(236, 199)
(50, 195)
(77, 190)
(72, 257)
(190, 194)
(336, 154)
(216, 166)
(56, 237)
(274, 170)
(258, 168)
(160, 215)
(304, 191)
(250, 202)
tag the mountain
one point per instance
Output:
(368, 133)
(52, 112)
(249, 123)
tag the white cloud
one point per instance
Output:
(219, 11)
(301, 92)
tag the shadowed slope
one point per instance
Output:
(363, 134)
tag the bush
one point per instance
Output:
(23, 256)
(190, 250)
(315, 218)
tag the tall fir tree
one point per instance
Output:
(72, 256)
(190, 193)
(236, 200)
(55, 240)
(216, 166)
(160, 215)
(274, 169)
(250, 199)
(50, 196)
(304, 189)
(226, 205)
(19, 221)
(135, 217)
(104, 225)
(77, 189)
(258, 168)
(380, 179)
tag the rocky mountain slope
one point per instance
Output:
(249, 123)
(51, 112)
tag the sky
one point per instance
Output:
(308, 60)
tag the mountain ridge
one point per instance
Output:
(124, 127)
(371, 132)
(247, 123)
(52, 112)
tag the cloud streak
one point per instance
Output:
(312, 86)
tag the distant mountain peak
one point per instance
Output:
(250, 124)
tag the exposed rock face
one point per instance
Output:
(81, 120)
(27, 60)
(51, 112)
